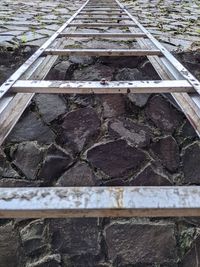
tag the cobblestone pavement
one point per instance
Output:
(177, 23)
(31, 22)
(95, 140)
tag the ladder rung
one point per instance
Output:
(103, 52)
(101, 18)
(107, 6)
(102, 9)
(54, 202)
(102, 13)
(103, 35)
(92, 87)
(101, 6)
(108, 24)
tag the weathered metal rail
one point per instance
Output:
(99, 201)
(17, 92)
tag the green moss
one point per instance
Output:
(186, 238)
(23, 39)
(38, 18)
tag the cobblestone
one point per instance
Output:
(24, 22)
(175, 23)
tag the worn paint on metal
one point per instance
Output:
(100, 199)
(102, 87)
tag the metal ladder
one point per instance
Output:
(17, 92)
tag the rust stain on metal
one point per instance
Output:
(119, 195)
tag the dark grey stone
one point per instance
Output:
(138, 135)
(85, 60)
(139, 100)
(187, 131)
(79, 175)
(122, 62)
(5, 182)
(6, 170)
(190, 163)
(149, 176)
(80, 127)
(50, 106)
(34, 238)
(167, 150)
(56, 161)
(105, 44)
(127, 74)
(52, 260)
(75, 236)
(93, 73)
(164, 115)
(27, 157)
(148, 71)
(83, 100)
(62, 71)
(9, 246)
(115, 158)
(131, 243)
(113, 105)
(192, 257)
(31, 128)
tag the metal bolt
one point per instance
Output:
(103, 81)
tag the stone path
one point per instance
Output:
(31, 22)
(100, 140)
(177, 23)
(86, 140)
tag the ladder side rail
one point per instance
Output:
(189, 104)
(7, 84)
(16, 105)
(183, 71)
